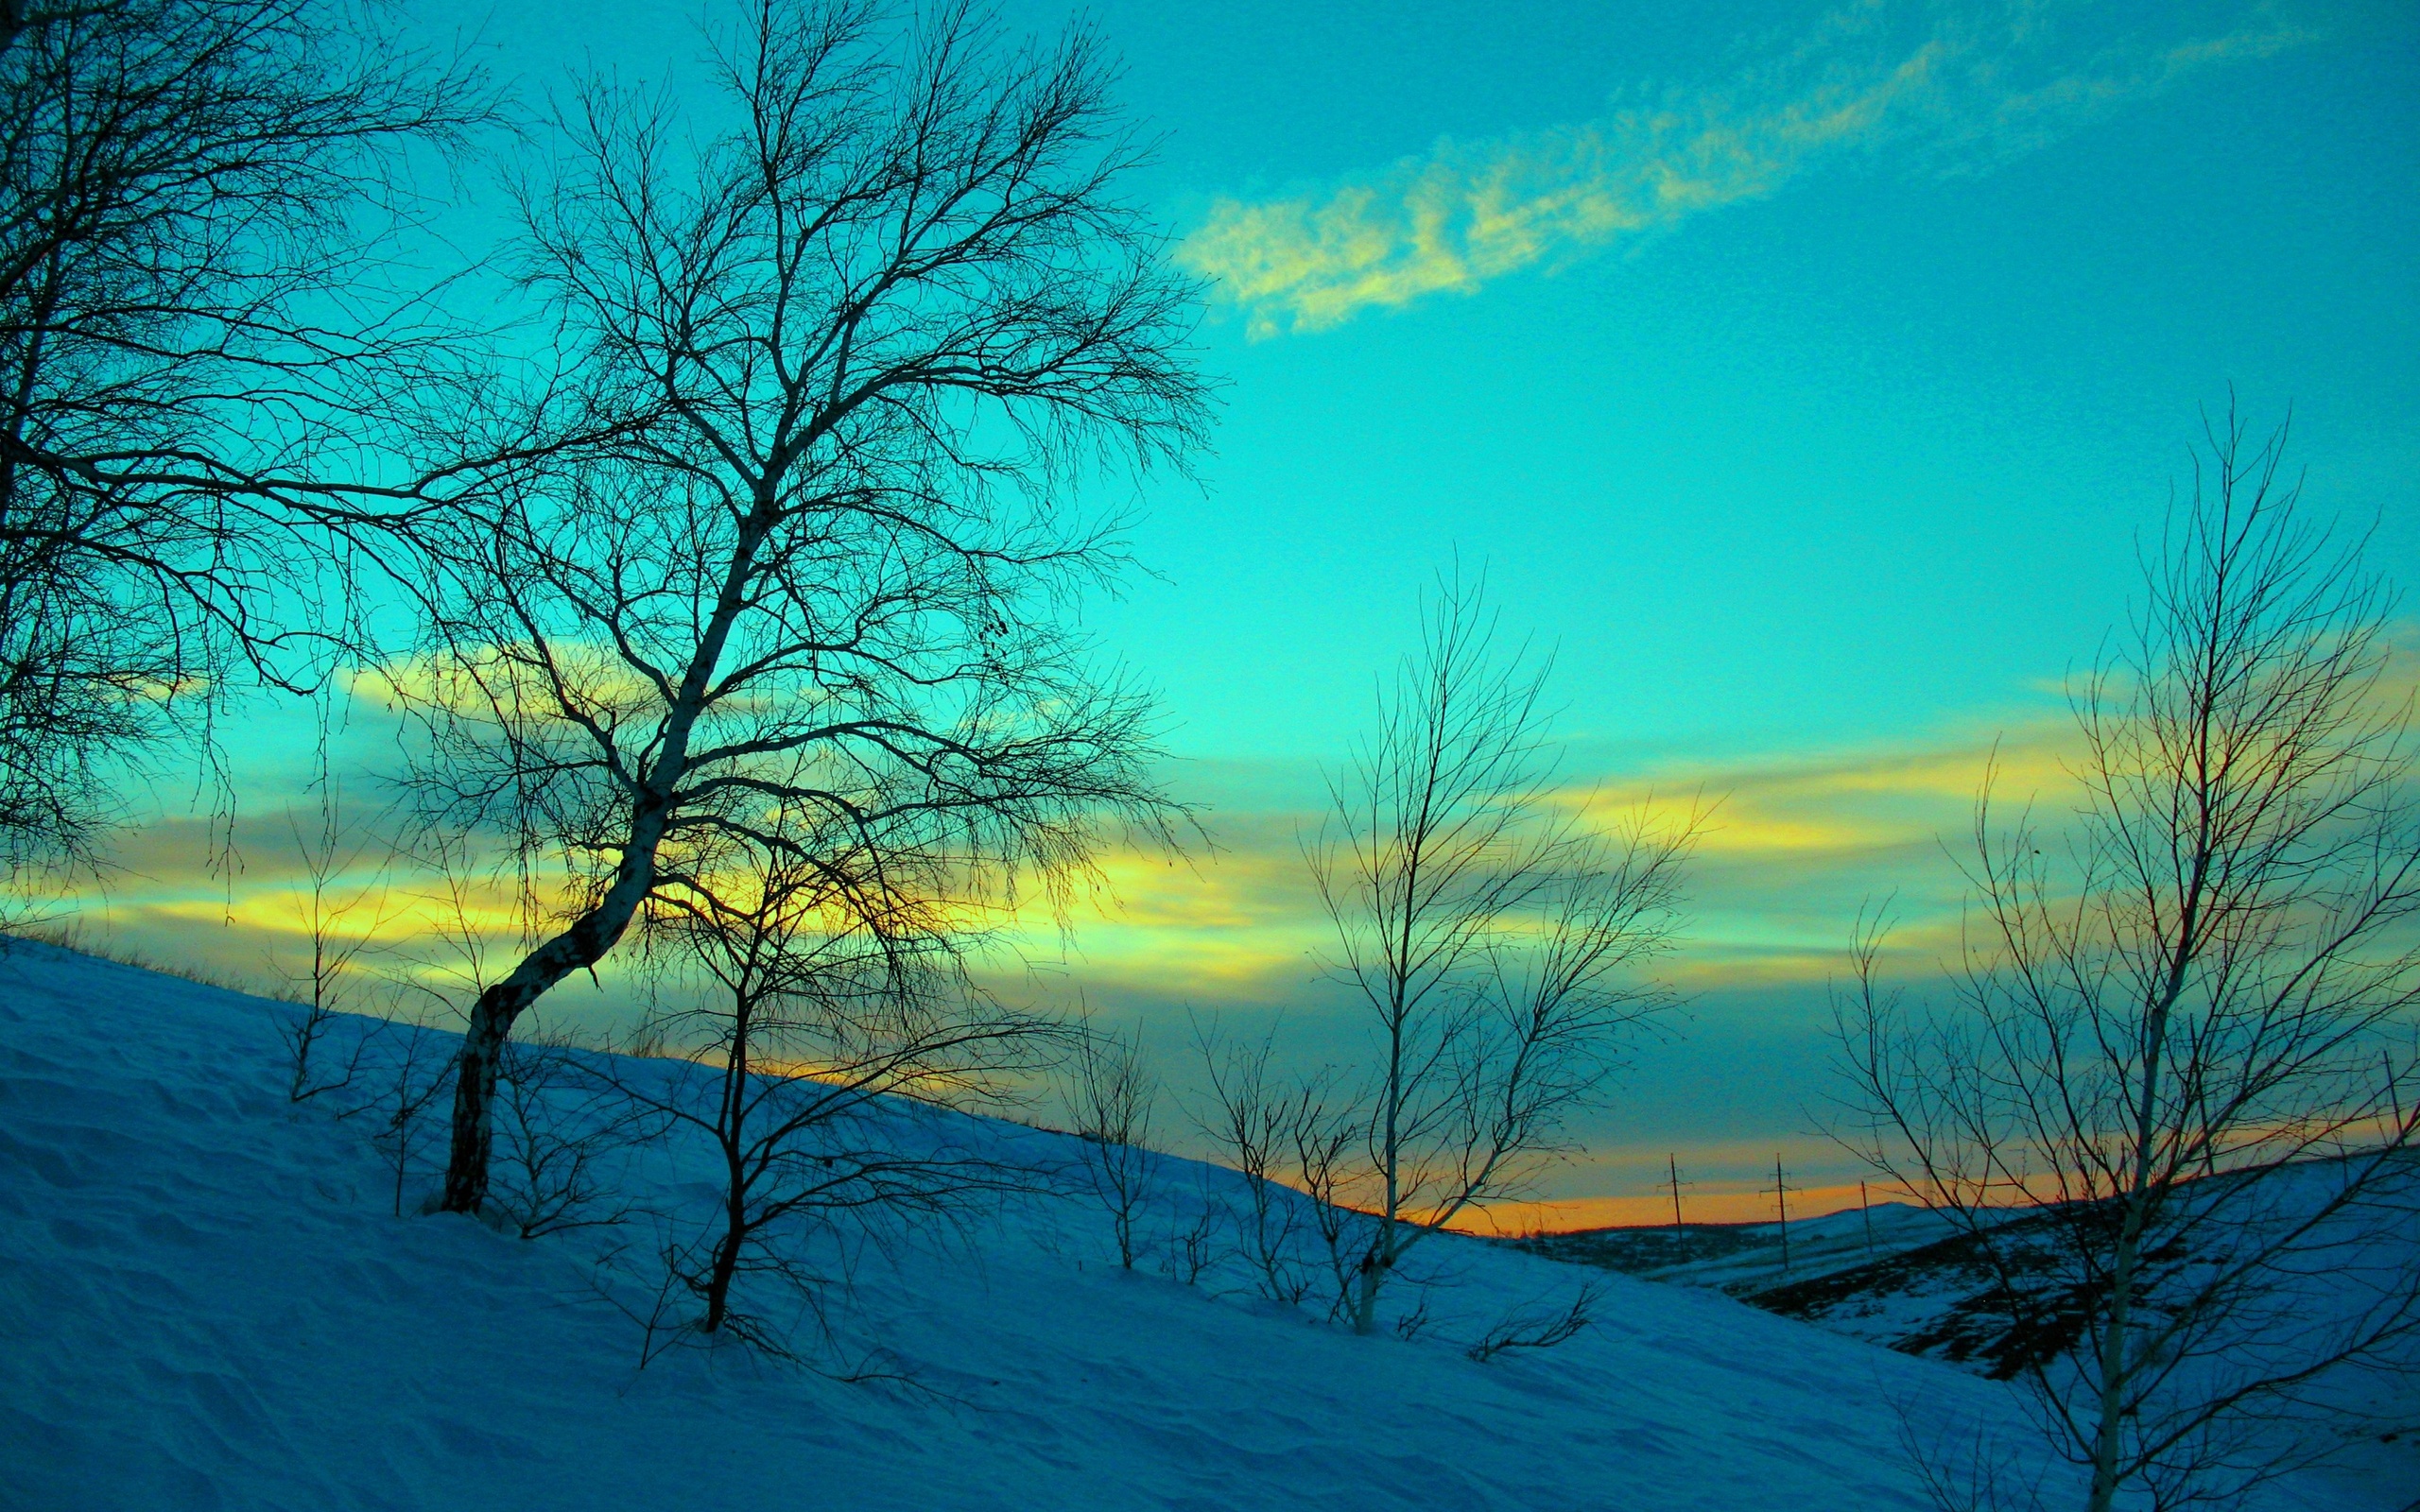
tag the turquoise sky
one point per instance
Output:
(1839, 461)
(1802, 375)
(1861, 449)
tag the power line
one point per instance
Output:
(1781, 1205)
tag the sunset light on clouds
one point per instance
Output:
(1807, 380)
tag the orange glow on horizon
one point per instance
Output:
(1509, 1219)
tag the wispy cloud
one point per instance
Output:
(1792, 847)
(1952, 90)
(1796, 845)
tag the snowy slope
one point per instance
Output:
(206, 1302)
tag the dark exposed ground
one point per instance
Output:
(1640, 1251)
(1893, 1277)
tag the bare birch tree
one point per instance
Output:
(198, 207)
(2167, 1030)
(850, 354)
(1490, 933)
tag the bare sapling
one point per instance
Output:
(342, 914)
(563, 1137)
(1193, 1246)
(1114, 1096)
(830, 1019)
(409, 1077)
(1252, 1121)
(1491, 930)
(1539, 1326)
(2153, 1095)
(1294, 1139)
(1326, 1135)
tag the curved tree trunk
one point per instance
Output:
(577, 949)
(466, 1166)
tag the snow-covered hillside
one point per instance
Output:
(206, 1301)
(1903, 1277)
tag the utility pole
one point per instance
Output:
(1781, 1205)
(1672, 1165)
(1866, 1206)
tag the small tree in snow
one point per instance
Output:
(340, 921)
(831, 1011)
(2186, 1031)
(1490, 931)
(1255, 1121)
(1114, 1096)
(562, 1136)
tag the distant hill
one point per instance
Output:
(1745, 1258)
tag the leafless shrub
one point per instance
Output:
(1193, 1246)
(341, 921)
(1536, 1328)
(1114, 1096)
(1326, 1139)
(300, 1035)
(407, 1077)
(1253, 1122)
(562, 1136)
(1966, 1466)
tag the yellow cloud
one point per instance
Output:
(1794, 846)
(1838, 802)
(1791, 848)
(1469, 213)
